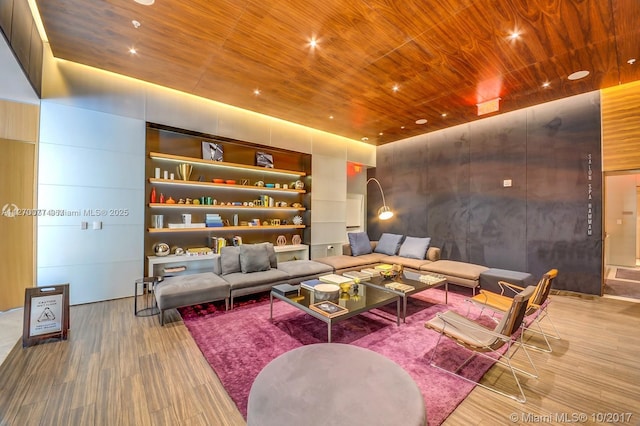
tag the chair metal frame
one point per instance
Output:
(466, 333)
(536, 308)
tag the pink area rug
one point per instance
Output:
(239, 343)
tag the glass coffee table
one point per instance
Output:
(358, 299)
(411, 279)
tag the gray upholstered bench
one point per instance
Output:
(334, 384)
(489, 279)
(187, 290)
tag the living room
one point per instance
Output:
(91, 153)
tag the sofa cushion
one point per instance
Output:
(414, 248)
(185, 290)
(405, 261)
(389, 244)
(255, 279)
(303, 268)
(349, 262)
(230, 260)
(254, 258)
(271, 252)
(359, 242)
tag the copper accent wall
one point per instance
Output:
(449, 185)
(620, 127)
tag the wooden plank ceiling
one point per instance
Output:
(443, 56)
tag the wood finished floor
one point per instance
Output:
(117, 369)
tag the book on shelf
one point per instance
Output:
(400, 287)
(328, 309)
(310, 284)
(360, 275)
(335, 279)
(286, 289)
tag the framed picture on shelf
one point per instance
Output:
(212, 151)
(264, 160)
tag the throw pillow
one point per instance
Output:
(359, 242)
(414, 248)
(254, 258)
(389, 244)
(230, 260)
(273, 259)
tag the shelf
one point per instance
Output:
(224, 229)
(219, 207)
(222, 164)
(180, 182)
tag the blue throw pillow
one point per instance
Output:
(414, 248)
(359, 242)
(389, 244)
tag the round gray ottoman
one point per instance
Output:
(334, 384)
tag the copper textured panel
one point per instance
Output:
(620, 130)
(444, 56)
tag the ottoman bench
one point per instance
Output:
(187, 290)
(489, 279)
(458, 273)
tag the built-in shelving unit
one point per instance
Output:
(239, 203)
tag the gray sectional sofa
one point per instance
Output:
(253, 268)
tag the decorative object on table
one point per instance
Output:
(297, 220)
(393, 272)
(295, 240)
(244, 182)
(329, 309)
(260, 183)
(385, 211)
(161, 249)
(184, 171)
(178, 251)
(264, 160)
(299, 184)
(170, 200)
(310, 284)
(335, 279)
(325, 291)
(281, 240)
(286, 289)
(275, 222)
(405, 288)
(212, 151)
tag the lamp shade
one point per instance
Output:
(385, 213)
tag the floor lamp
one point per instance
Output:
(385, 211)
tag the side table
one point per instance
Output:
(144, 288)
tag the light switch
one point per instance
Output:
(506, 183)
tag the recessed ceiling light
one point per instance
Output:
(395, 88)
(514, 35)
(578, 75)
(421, 121)
(402, 127)
(256, 92)
(380, 134)
(444, 114)
(313, 43)
(331, 117)
(631, 61)
(136, 24)
(133, 51)
(546, 84)
(145, 2)
(365, 139)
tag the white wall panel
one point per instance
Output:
(71, 246)
(329, 178)
(328, 232)
(290, 136)
(14, 85)
(67, 165)
(329, 211)
(93, 282)
(66, 125)
(112, 206)
(329, 145)
(362, 153)
(176, 109)
(244, 125)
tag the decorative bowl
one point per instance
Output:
(390, 274)
(324, 292)
(218, 181)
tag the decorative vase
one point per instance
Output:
(184, 171)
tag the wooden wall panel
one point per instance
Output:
(17, 175)
(19, 121)
(621, 127)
